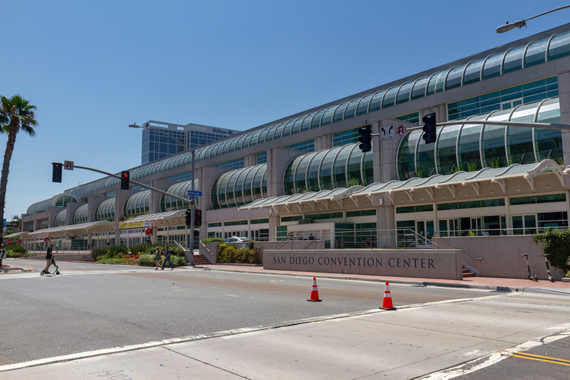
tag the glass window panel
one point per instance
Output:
(493, 149)
(257, 191)
(419, 90)
(351, 109)
(262, 135)
(313, 173)
(279, 131)
(363, 105)
(289, 177)
(247, 192)
(473, 72)
(327, 117)
(301, 174)
(307, 122)
(354, 166)
(454, 77)
(404, 93)
(317, 119)
(326, 169)
(226, 146)
(230, 196)
(339, 167)
(513, 60)
(439, 85)
(339, 112)
(271, 132)
(469, 157)
(549, 141)
(559, 46)
(431, 83)
(426, 159)
(407, 155)
(288, 126)
(248, 140)
(519, 139)
(536, 53)
(390, 97)
(447, 149)
(297, 126)
(376, 101)
(492, 66)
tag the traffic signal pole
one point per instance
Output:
(192, 207)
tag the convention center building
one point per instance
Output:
(304, 177)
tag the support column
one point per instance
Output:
(564, 97)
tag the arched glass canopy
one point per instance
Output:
(180, 189)
(61, 218)
(137, 204)
(328, 169)
(470, 147)
(60, 200)
(106, 210)
(81, 215)
(239, 187)
(534, 53)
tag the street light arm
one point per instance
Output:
(520, 23)
(560, 127)
(189, 201)
(164, 133)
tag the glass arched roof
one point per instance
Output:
(239, 187)
(180, 189)
(470, 147)
(59, 200)
(81, 215)
(61, 218)
(138, 204)
(513, 59)
(106, 210)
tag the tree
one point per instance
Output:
(16, 114)
(16, 222)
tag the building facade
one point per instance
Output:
(305, 177)
(156, 145)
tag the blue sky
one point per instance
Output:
(94, 67)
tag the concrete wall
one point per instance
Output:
(422, 263)
(502, 255)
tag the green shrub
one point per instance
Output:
(147, 261)
(15, 251)
(250, 244)
(212, 240)
(241, 255)
(556, 245)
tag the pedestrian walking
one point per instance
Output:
(49, 256)
(167, 258)
(157, 257)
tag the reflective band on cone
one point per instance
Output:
(387, 302)
(314, 292)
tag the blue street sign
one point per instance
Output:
(194, 193)
(192, 197)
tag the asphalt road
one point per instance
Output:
(92, 307)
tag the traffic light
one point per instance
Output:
(365, 138)
(197, 218)
(125, 177)
(56, 172)
(188, 217)
(430, 134)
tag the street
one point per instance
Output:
(95, 318)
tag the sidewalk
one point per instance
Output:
(492, 283)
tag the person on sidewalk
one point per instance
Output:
(167, 258)
(49, 256)
(157, 257)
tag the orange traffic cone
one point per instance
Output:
(387, 302)
(314, 292)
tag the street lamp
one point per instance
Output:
(192, 205)
(521, 23)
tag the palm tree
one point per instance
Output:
(17, 222)
(16, 114)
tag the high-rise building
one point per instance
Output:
(156, 145)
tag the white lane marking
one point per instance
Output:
(491, 359)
